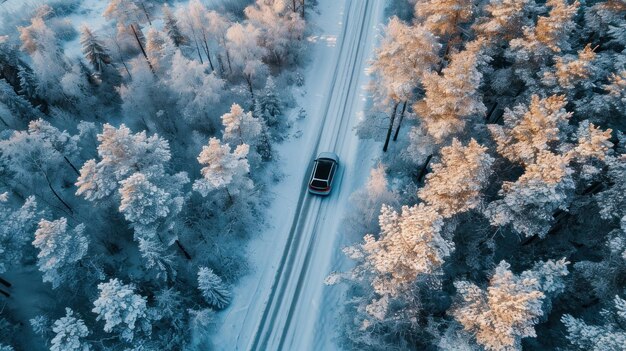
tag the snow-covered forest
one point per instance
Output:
(135, 139)
(496, 217)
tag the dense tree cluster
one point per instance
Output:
(510, 166)
(131, 154)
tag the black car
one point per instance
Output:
(324, 170)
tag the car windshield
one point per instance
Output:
(320, 184)
(323, 169)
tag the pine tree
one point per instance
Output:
(505, 21)
(570, 71)
(611, 336)
(409, 244)
(442, 17)
(171, 27)
(268, 105)
(453, 97)
(121, 308)
(241, 127)
(70, 333)
(94, 51)
(59, 249)
(223, 169)
(507, 312)
(528, 131)
(16, 230)
(212, 288)
(121, 153)
(529, 203)
(455, 184)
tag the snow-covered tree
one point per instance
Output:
(455, 184)
(223, 169)
(126, 12)
(592, 143)
(121, 308)
(453, 97)
(442, 17)
(612, 201)
(528, 131)
(538, 45)
(268, 104)
(504, 21)
(217, 27)
(48, 62)
(16, 230)
(144, 203)
(369, 200)
(529, 203)
(510, 307)
(611, 336)
(93, 49)
(245, 53)
(121, 153)
(242, 128)
(197, 91)
(70, 333)
(160, 50)
(60, 248)
(410, 243)
(404, 55)
(570, 71)
(617, 90)
(281, 29)
(172, 27)
(212, 288)
(195, 22)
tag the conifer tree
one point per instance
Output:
(94, 50)
(223, 169)
(455, 183)
(60, 248)
(610, 336)
(212, 288)
(70, 333)
(172, 28)
(121, 308)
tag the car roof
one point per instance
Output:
(329, 155)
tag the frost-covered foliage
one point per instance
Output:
(456, 182)
(212, 288)
(104, 108)
(18, 224)
(224, 169)
(121, 309)
(510, 307)
(70, 333)
(611, 336)
(452, 97)
(516, 144)
(60, 248)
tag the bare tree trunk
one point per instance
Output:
(6, 294)
(182, 248)
(71, 165)
(391, 120)
(395, 136)
(143, 7)
(132, 26)
(294, 5)
(422, 173)
(230, 68)
(55, 193)
(249, 80)
(208, 53)
(302, 9)
(5, 283)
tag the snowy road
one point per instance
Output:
(286, 306)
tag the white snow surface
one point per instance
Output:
(283, 304)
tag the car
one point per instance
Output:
(324, 169)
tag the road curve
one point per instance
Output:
(278, 325)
